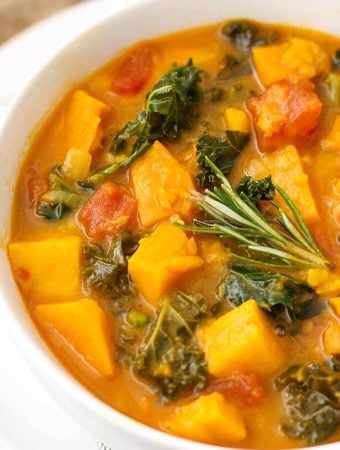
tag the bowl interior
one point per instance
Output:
(86, 52)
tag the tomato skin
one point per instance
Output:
(108, 211)
(133, 72)
(285, 114)
(243, 386)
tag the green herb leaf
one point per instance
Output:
(257, 190)
(234, 216)
(332, 83)
(170, 356)
(170, 109)
(311, 398)
(274, 292)
(52, 211)
(336, 60)
(106, 270)
(244, 35)
(222, 150)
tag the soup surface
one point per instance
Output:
(175, 234)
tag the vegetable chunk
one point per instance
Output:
(210, 419)
(285, 113)
(161, 260)
(241, 339)
(298, 59)
(84, 325)
(47, 270)
(325, 281)
(335, 304)
(161, 186)
(286, 169)
(83, 122)
(236, 120)
(332, 140)
(108, 211)
(331, 338)
(133, 72)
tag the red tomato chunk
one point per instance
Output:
(109, 210)
(243, 386)
(285, 113)
(133, 72)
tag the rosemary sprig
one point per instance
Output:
(289, 245)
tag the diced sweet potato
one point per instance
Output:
(237, 120)
(286, 169)
(77, 164)
(331, 338)
(83, 122)
(285, 113)
(108, 211)
(213, 252)
(210, 419)
(47, 270)
(324, 281)
(161, 260)
(242, 339)
(84, 325)
(161, 186)
(298, 59)
(332, 141)
(335, 304)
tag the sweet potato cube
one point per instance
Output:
(331, 338)
(242, 339)
(237, 120)
(161, 186)
(286, 169)
(84, 325)
(77, 164)
(324, 281)
(161, 260)
(335, 304)
(210, 419)
(47, 270)
(83, 121)
(298, 59)
(332, 141)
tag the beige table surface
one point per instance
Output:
(15, 15)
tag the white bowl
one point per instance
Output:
(71, 63)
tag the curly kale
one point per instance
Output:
(244, 35)
(170, 356)
(257, 190)
(106, 270)
(221, 150)
(274, 292)
(171, 107)
(312, 402)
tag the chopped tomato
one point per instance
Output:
(285, 113)
(133, 72)
(243, 386)
(109, 210)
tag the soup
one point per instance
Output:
(175, 234)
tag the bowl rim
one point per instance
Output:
(46, 361)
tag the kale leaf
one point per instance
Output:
(221, 150)
(171, 107)
(244, 35)
(52, 211)
(257, 190)
(61, 198)
(274, 292)
(171, 357)
(106, 270)
(311, 398)
(336, 60)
